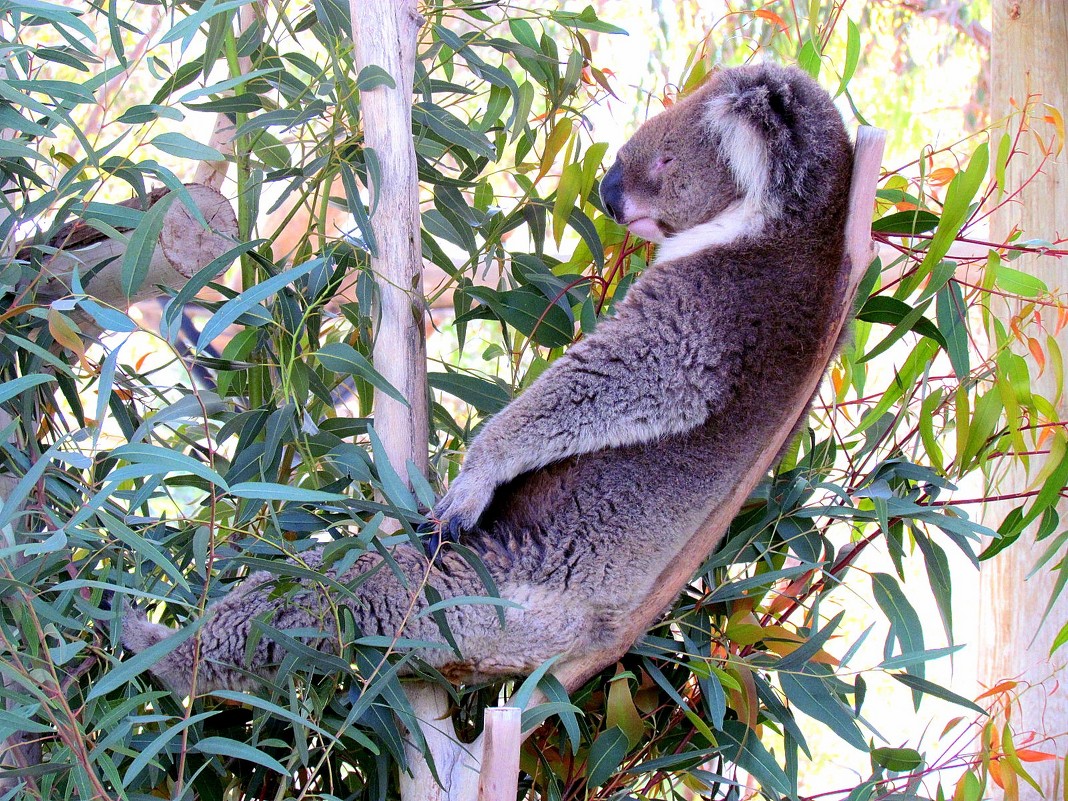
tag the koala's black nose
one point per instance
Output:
(612, 192)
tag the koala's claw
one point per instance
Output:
(437, 533)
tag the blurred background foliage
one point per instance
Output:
(161, 452)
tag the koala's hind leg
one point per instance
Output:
(380, 601)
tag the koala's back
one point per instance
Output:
(593, 532)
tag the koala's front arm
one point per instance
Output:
(652, 371)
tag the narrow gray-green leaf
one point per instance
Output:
(606, 754)
(339, 357)
(224, 746)
(10, 389)
(265, 491)
(143, 242)
(132, 668)
(252, 296)
(182, 147)
(164, 461)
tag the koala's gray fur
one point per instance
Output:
(584, 488)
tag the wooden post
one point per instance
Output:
(499, 780)
(385, 34)
(1030, 55)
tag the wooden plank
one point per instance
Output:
(501, 738)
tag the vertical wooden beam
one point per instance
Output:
(385, 34)
(500, 755)
(1030, 55)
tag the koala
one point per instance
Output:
(584, 488)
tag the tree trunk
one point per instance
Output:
(385, 33)
(1030, 55)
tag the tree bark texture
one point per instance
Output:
(385, 33)
(1030, 55)
(183, 248)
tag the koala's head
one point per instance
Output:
(753, 144)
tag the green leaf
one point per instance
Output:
(266, 491)
(953, 324)
(906, 223)
(132, 668)
(16, 496)
(235, 307)
(182, 147)
(810, 694)
(297, 720)
(372, 76)
(161, 461)
(930, 688)
(962, 189)
(452, 129)
(10, 389)
(566, 193)
(904, 318)
(905, 624)
(898, 760)
(339, 357)
(224, 746)
(149, 752)
(743, 747)
(530, 313)
(852, 55)
(224, 86)
(1060, 640)
(486, 395)
(187, 28)
(809, 59)
(588, 232)
(606, 754)
(143, 548)
(143, 241)
(915, 657)
(1019, 283)
(392, 484)
(272, 151)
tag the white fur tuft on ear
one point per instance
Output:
(744, 149)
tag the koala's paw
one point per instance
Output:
(461, 507)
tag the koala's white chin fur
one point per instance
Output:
(738, 220)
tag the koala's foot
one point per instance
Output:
(461, 507)
(432, 536)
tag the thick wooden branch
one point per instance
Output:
(859, 253)
(183, 248)
(385, 33)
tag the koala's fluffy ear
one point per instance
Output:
(752, 113)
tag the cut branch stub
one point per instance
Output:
(183, 247)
